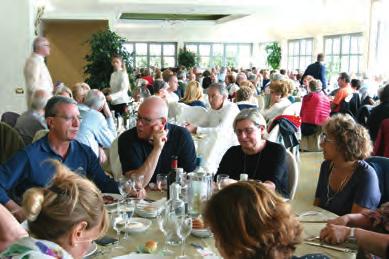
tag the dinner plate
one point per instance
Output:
(201, 232)
(92, 249)
(146, 211)
(112, 206)
(135, 225)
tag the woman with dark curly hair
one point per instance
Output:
(256, 223)
(347, 184)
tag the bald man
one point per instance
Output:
(148, 148)
(36, 74)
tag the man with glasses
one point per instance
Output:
(31, 167)
(36, 74)
(344, 91)
(148, 148)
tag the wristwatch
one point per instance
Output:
(352, 234)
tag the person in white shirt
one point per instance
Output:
(279, 99)
(97, 129)
(171, 96)
(222, 112)
(36, 74)
(119, 84)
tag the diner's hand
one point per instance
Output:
(109, 98)
(335, 234)
(106, 111)
(159, 136)
(341, 221)
(102, 156)
(270, 185)
(191, 128)
(141, 194)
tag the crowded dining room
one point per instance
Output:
(194, 129)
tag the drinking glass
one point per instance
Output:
(127, 212)
(161, 220)
(183, 231)
(161, 182)
(125, 186)
(138, 181)
(220, 180)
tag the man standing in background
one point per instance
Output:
(36, 74)
(317, 70)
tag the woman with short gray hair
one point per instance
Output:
(257, 157)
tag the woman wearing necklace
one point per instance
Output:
(261, 159)
(347, 184)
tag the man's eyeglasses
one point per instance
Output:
(145, 120)
(68, 118)
(324, 139)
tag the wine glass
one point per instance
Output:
(125, 186)
(161, 220)
(162, 182)
(183, 231)
(220, 180)
(138, 181)
(127, 212)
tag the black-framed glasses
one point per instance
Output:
(145, 120)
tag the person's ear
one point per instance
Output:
(77, 232)
(49, 122)
(163, 121)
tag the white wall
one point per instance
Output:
(17, 34)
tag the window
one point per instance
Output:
(299, 54)
(343, 53)
(222, 54)
(157, 54)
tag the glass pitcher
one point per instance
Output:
(199, 191)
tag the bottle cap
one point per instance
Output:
(244, 177)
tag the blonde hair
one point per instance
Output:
(279, 86)
(193, 92)
(352, 139)
(256, 223)
(69, 199)
(79, 91)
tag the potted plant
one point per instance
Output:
(186, 58)
(273, 51)
(103, 45)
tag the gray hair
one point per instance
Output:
(52, 104)
(220, 88)
(277, 76)
(95, 99)
(39, 100)
(253, 115)
(315, 85)
(63, 89)
(37, 43)
(181, 75)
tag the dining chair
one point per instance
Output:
(293, 174)
(10, 118)
(10, 142)
(381, 167)
(114, 160)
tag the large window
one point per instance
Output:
(343, 53)
(222, 54)
(299, 54)
(157, 54)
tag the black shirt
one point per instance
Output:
(268, 165)
(134, 151)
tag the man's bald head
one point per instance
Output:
(157, 105)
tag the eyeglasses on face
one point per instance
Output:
(324, 139)
(145, 120)
(246, 131)
(68, 118)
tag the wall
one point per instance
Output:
(68, 48)
(16, 28)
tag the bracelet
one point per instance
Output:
(352, 233)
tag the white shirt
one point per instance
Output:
(276, 109)
(220, 120)
(172, 97)
(37, 75)
(119, 84)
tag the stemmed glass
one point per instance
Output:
(161, 182)
(125, 186)
(127, 212)
(220, 180)
(183, 231)
(137, 181)
(162, 222)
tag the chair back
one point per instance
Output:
(381, 145)
(293, 174)
(381, 167)
(114, 160)
(10, 142)
(293, 109)
(10, 118)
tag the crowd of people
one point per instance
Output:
(56, 181)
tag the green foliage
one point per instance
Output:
(103, 45)
(273, 51)
(186, 58)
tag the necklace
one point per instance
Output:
(256, 165)
(341, 186)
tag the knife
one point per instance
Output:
(340, 249)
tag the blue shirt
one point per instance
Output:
(29, 168)
(133, 151)
(362, 189)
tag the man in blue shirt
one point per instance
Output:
(317, 70)
(148, 148)
(30, 167)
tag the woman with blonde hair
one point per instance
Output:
(279, 99)
(63, 218)
(254, 223)
(346, 184)
(193, 94)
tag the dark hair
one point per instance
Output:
(384, 94)
(256, 223)
(356, 83)
(345, 77)
(320, 57)
(52, 104)
(282, 71)
(157, 86)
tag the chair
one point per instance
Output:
(381, 145)
(381, 167)
(10, 118)
(311, 143)
(293, 174)
(114, 160)
(293, 109)
(40, 134)
(10, 142)
(196, 115)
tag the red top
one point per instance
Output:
(315, 108)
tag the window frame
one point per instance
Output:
(148, 52)
(299, 56)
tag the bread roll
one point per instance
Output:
(150, 246)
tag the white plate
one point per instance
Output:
(146, 211)
(92, 250)
(112, 207)
(201, 232)
(135, 225)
